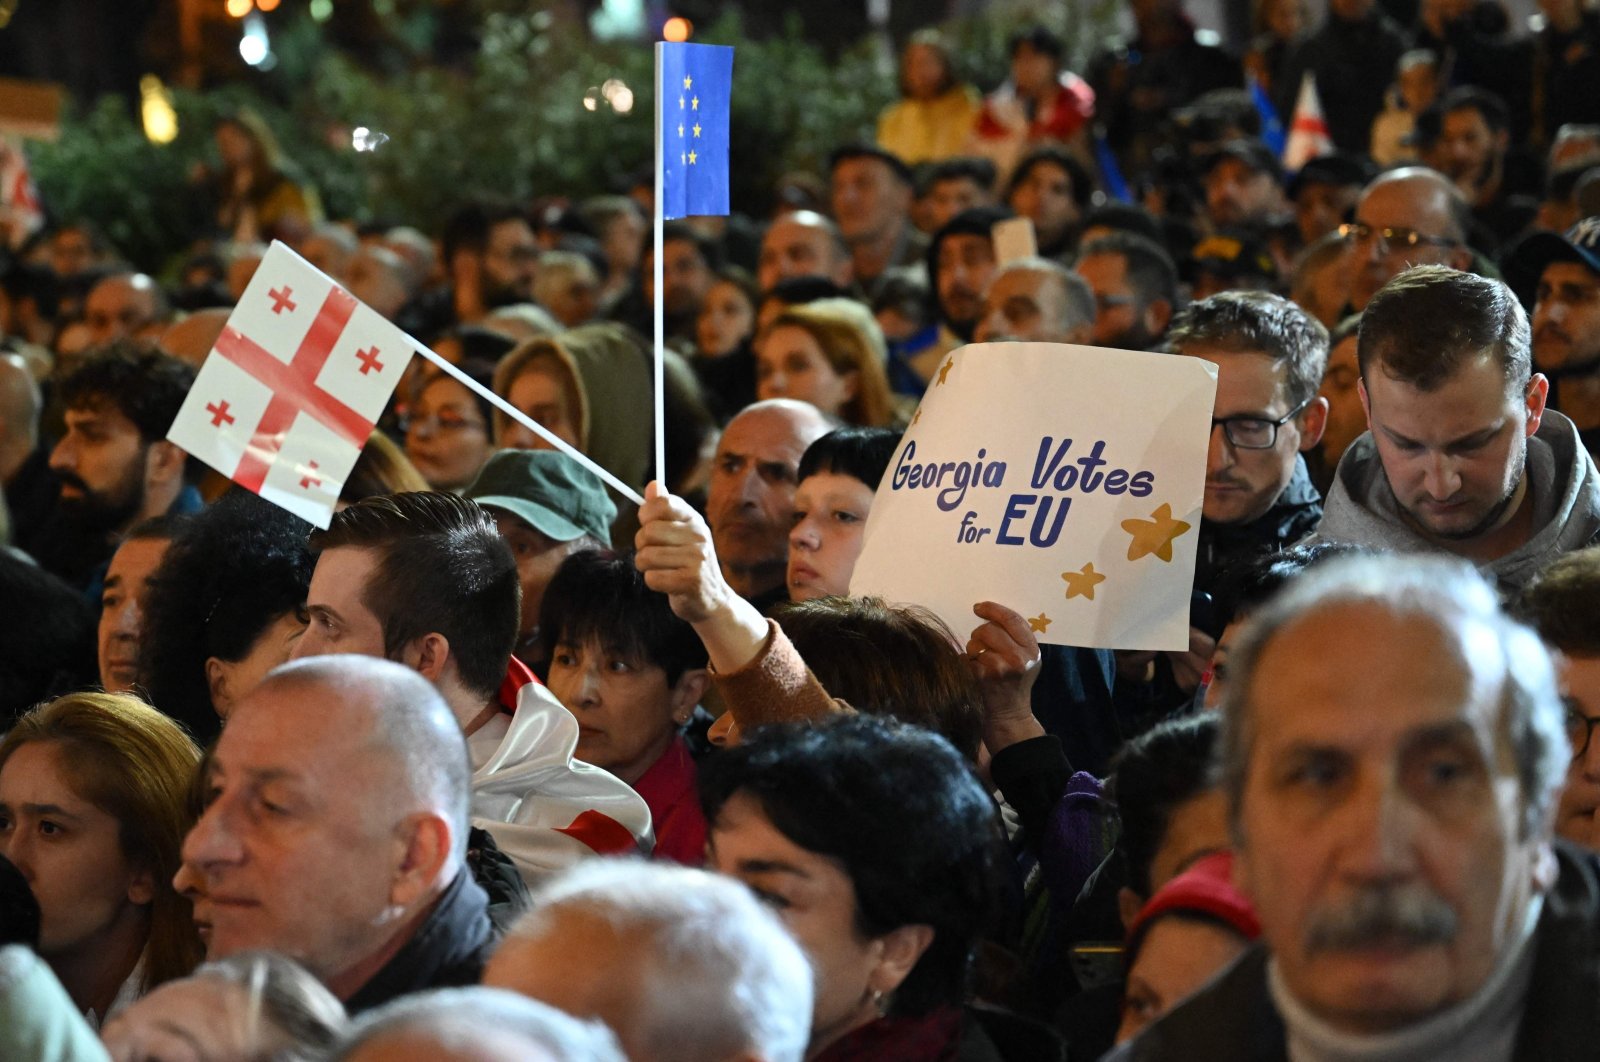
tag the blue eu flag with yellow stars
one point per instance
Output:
(696, 84)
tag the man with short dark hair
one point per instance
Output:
(1467, 136)
(953, 186)
(491, 258)
(1558, 278)
(1463, 456)
(423, 578)
(1269, 356)
(871, 198)
(688, 263)
(1563, 606)
(1324, 192)
(335, 832)
(114, 463)
(1135, 289)
(1244, 185)
(961, 261)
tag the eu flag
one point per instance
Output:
(696, 84)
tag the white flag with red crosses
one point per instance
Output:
(293, 387)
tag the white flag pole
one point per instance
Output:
(660, 296)
(528, 422)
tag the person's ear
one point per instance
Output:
(163, 463)
(425, 846)
(1313, 420)
(1538, 393)
(902, 949)
(1157, 316)
(142, 888)
(852, 384)
(689, 691)
(1128, 905)
(217, 684)
(1366, 402)
(428, 656)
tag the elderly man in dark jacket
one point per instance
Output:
(1392, 747)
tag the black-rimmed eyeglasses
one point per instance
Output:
(1580, 730)
(1255, 433)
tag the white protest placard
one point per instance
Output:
(1064, 482)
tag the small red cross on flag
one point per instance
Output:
(293, 388)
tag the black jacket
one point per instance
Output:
(1233, 1018)
(447, 951)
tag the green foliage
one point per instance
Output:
(530, 116)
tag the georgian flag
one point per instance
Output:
(294, 386)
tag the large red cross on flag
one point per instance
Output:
(287, 397)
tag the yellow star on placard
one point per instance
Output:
(688, 82)
(916, 416)
(1154, 535)
(1082, 582)
(944, 370)
(697, 129)
(692, 157)
(694, 103)
(1039, 624)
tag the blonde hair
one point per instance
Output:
(853, 343)
(136, 765)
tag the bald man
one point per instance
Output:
(803, 244)
(750, 503)
(1037, 300)
(475, 1025)
(121, 305)
(335, 832)
(1406, 217)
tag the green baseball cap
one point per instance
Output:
(548, 491)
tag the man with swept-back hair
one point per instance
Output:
(423, 578)
(1463, 456)
(1391, 751)
(1269, 356)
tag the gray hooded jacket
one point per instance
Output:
(1362, 510)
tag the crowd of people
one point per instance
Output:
(501, 764)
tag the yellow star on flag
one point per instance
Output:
(680, 128)
(692, 157)
(1040, 623)
(697, 129)
(682, 158)
(694, 103)
(1154, 535)
(1082, 582)
(688, 82)
(944, 370)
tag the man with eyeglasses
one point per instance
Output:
(1406, 217)
(1269, 355)
(1563, 605)
(1558, 278)
(1462, 455)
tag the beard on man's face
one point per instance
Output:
(103, 510)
